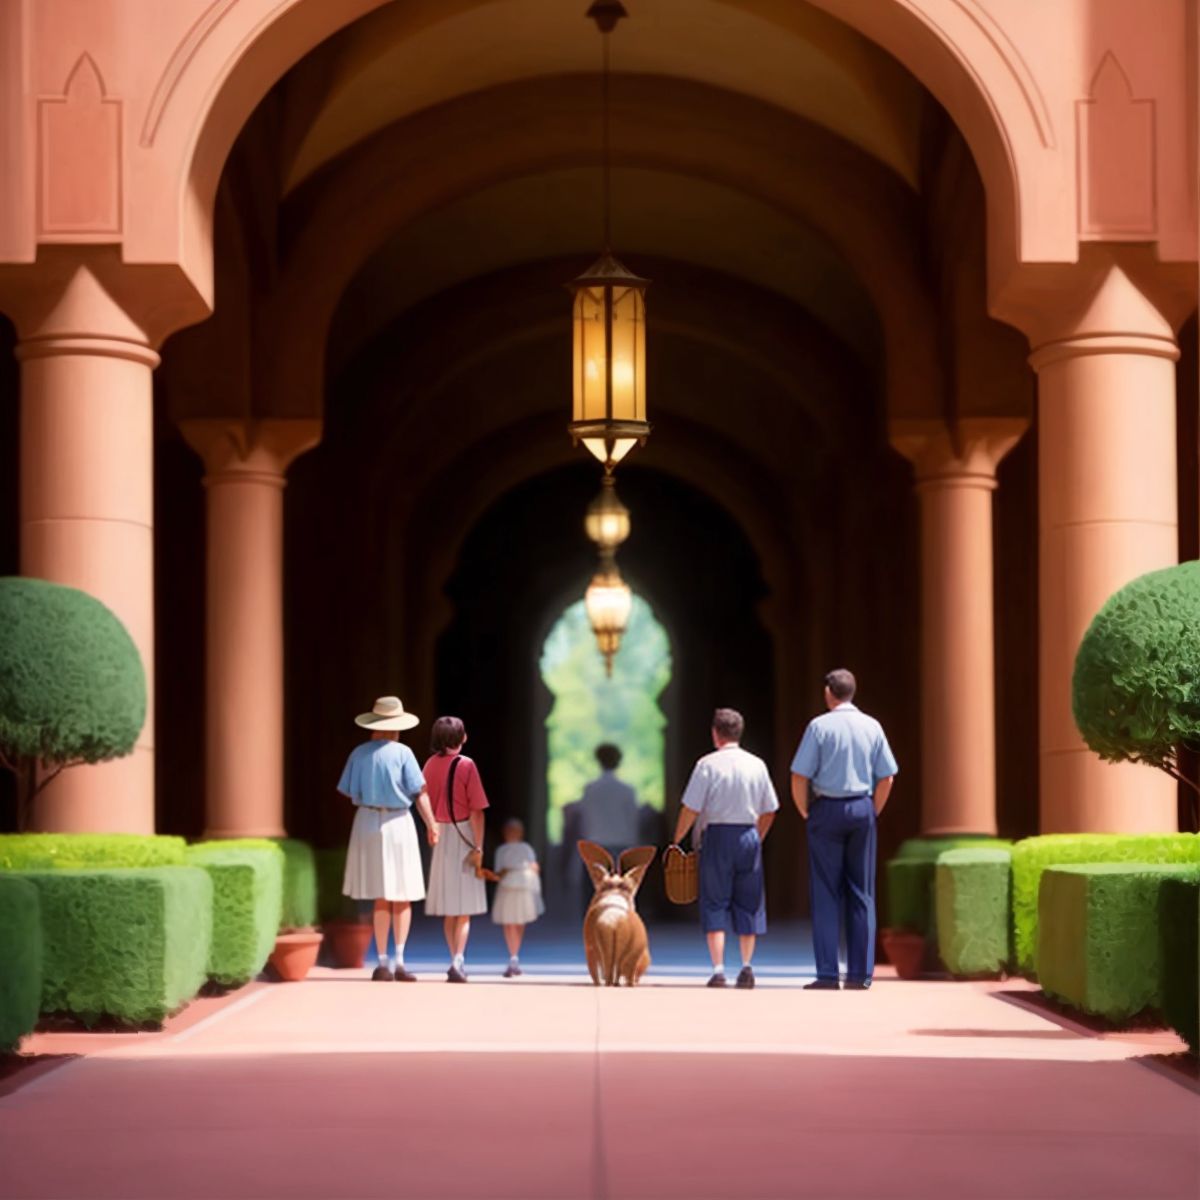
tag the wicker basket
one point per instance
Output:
(682, 875)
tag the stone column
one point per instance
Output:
(1107, 513)
(87, 509)
(246, 462)
(955, 477)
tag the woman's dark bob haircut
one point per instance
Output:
(448, 733)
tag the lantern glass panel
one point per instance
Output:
(629, 355)
(591, 355)
(628, 345)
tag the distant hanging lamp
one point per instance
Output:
(607, 521)
(608, 602)
(609, 411)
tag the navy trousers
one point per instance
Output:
(841, 859)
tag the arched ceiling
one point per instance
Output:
(415, 54)
(656, 213)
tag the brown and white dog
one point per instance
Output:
(614, 937)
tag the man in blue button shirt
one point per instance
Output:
(841, 778)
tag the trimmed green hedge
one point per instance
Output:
(332, 905)
(130, 943)
(299, 884)
(1179, 934)
(247, 883)
(972, 889)
(1033, 855)
(20, 960)
(1098, 935)
(51, 851)
(910, 877)
(299, 878)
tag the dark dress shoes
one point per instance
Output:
(857, 985)
(822, 985)
(404, 975)
(382, 975)
(745, 978)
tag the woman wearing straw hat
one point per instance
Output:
(383, 862)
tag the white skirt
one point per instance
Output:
(517, 905)
(454, 891)
(383, 860)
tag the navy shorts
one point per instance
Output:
(731, 880)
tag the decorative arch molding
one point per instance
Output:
(969, 62)
(229, 57)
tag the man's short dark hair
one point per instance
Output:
(728, 724)
(841, 684)
(608, 756)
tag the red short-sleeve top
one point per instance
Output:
(469, 795)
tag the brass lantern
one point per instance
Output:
(609, 413)
(607, 521)
(609, 324)
(608, 602)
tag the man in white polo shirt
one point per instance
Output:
(732, 802)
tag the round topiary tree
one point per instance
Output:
(1136, 687)
(72, 686)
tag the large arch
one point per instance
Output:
(223, 64)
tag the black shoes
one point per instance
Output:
(857, 985)
(745, 979)
(454, 975)
(382, 975)
(717, 980)
(822, 985)
(404, 975)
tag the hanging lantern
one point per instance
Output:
(608, 603)
(609, 333)
(609, 415)
(607, 521)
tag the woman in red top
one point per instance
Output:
(456, 892)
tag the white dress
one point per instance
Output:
(519, 893)
(383, 860)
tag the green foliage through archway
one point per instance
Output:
(589, 708)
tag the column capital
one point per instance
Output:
(86, 300)
(242, 449)
(1111, 314)
(964, 453)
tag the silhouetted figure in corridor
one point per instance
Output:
(607, 813)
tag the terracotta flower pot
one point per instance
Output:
(348, 942)
(295, 953)
(905, 950)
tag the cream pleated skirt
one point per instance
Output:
(454, 891)
(518, 903)
(383, 860)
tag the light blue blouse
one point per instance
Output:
(845, 753)
(382, 774)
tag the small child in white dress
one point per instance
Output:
(518, 900)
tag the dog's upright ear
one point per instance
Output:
(636, 862)
(598, 861)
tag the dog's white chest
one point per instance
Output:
(612, 909)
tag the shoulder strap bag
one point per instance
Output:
(480, 871)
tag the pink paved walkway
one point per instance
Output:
(336, 1087)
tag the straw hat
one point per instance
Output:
(388, 713)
